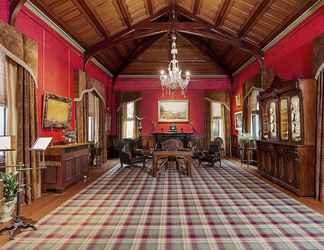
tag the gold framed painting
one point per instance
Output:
(173, 110)
(238, 120)
(57, 111)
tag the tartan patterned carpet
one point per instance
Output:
(218, 208)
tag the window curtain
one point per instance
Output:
(319, 75)
(81, 107)
(21, 82)
(207, 123)
(11, 78)
(123, 99)
(137, 114)
(102, 130)
(320, 138)
(85, 87)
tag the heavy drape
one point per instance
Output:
(84, 86)
(27, 132)
(103, 131)
(207, 138)
(123, 98)
(319, 73)
(320, 138)
(21, 81)
(81, 106)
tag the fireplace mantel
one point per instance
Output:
(159, 137)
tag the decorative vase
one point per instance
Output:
(8, 208)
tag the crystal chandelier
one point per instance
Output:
(172, 80)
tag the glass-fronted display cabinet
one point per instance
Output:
(286, 151)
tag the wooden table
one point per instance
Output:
(157, 155)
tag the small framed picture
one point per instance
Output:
(238, 120)
(238, 100)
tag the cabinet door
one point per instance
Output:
(295, 119)
(273, 119)
(284, 119)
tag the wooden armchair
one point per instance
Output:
(172, 145)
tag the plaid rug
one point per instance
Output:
(217, 208)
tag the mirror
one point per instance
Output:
(284, 119)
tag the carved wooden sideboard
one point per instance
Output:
(66, 165)
(286, 151)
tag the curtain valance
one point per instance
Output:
(19, 48)
(86, 84)
(318, 56)
(221, 97)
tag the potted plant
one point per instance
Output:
(10, 194)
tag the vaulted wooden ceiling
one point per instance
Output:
(214, 36)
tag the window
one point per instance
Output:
(129, 123)
(93, 117)
(217, 121)
(255, 117)
(255, 124)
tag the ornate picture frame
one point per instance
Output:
(57, 111)
(173, 111)
(238, 120)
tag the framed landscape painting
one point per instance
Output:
(173, 111)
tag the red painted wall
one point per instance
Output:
(4, 6)
(290, 58)
(152, 93)
(57, 63)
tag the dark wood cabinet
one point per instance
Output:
(286, 152)
(66, 165)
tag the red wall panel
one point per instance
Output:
(57, 62)
(4, 10)
(290, 58)
(151, 93)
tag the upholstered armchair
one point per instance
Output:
(128, 155)
(211, 156)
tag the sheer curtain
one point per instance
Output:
(11, 77)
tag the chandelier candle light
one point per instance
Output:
(173, 79)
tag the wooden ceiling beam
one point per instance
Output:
(87, 12)
(132, 36)
(105, 43)
(220, 17)
(137, 51)
(234, 42)
(120, 4)
(196, 7)
(263, 6)
(185, 27)
(14, 7)
(208, 51)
